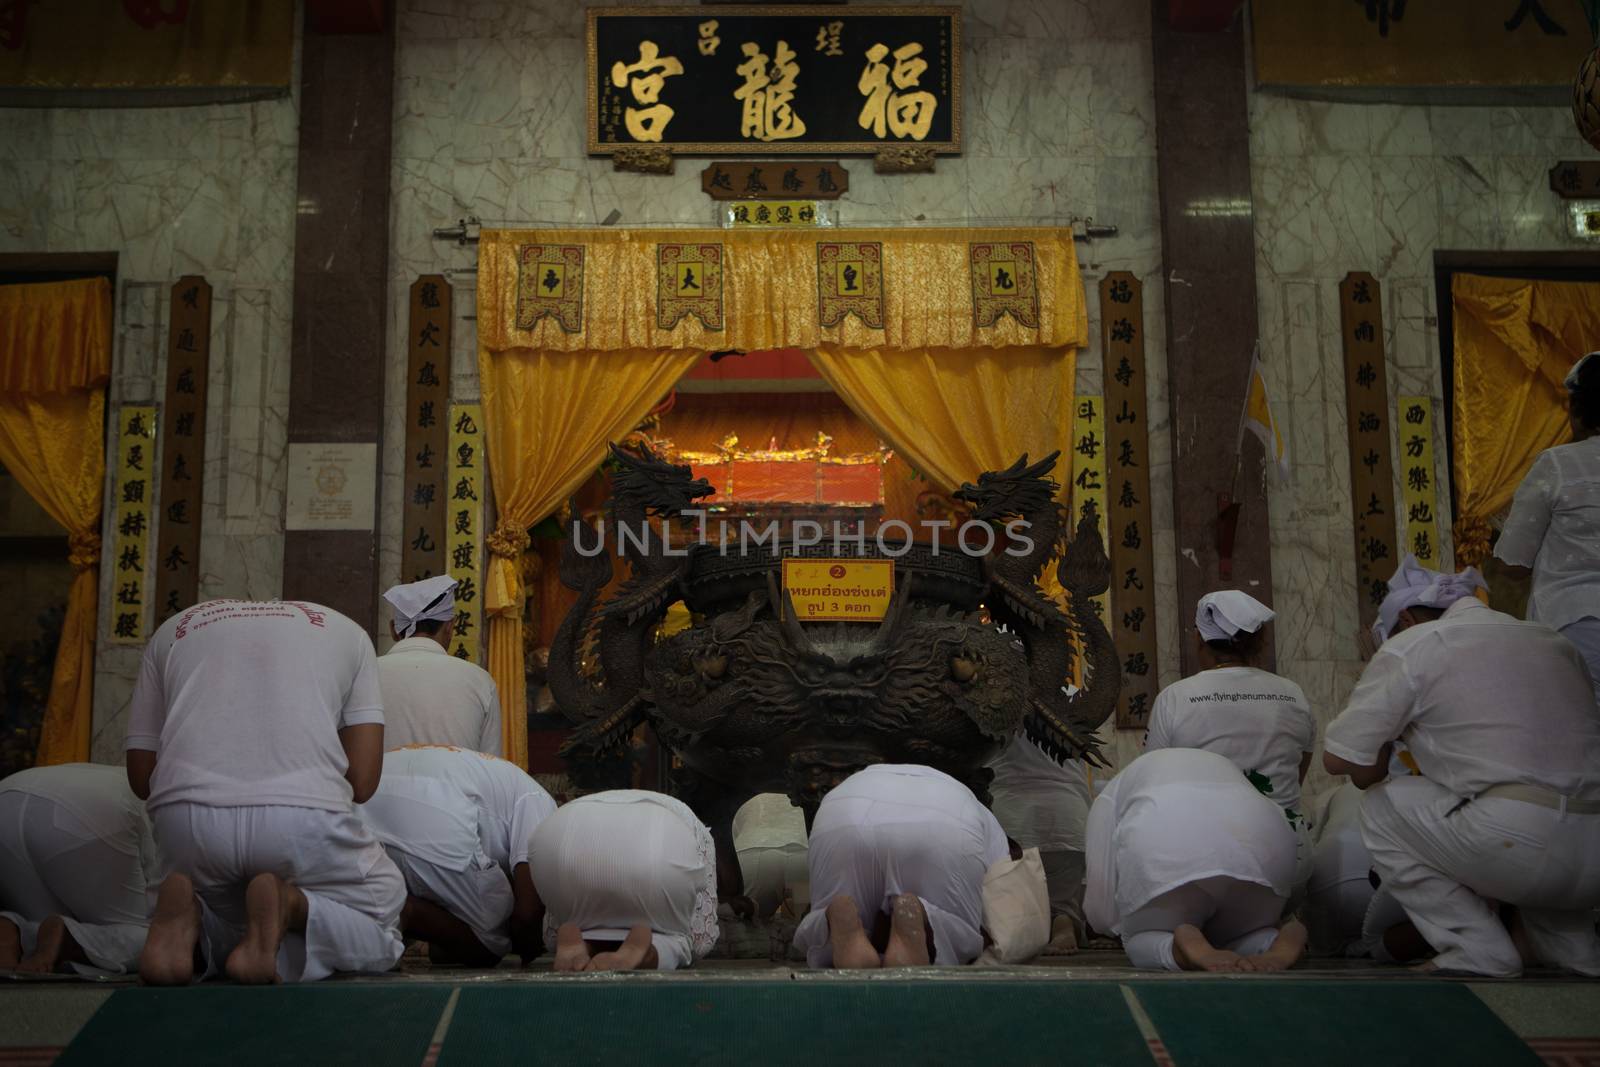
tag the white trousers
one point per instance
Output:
(1063, 875)
(1445, 861)
(353, 891)
(52, 863)
(1585, 633)
(1238, 916)
(772, 873)
(479, 896)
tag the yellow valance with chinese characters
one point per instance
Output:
(55, 336)
(613, 290)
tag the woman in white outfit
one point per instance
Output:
(78, 870)
(898, 855)
(1191, 867)
(1043, 804)
(629, 881)
(1553, 531)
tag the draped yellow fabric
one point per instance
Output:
(956, 413)
(1515, 340)
(564, 374)
(53, 445)
(55, 336)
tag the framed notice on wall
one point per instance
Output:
(750, 79)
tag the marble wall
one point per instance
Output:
(1342, 187)
(1059, 116)
(176, 191)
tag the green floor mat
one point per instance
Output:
(1221, 1022)
(773, 1023)
(365, 1025)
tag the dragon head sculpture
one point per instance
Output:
(1019, 490)
(840, 670)
(648, 484)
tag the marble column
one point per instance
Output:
(1209, 268)
(341, 260)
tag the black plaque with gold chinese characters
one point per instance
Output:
(1366, 387)
(427, 428)
(751, 79)
(183, 446)
(784, 179)
(1127, 494)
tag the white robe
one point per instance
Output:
(769, 833)
(893, 829)
(614, 860)
(1181, 818)
(1340, 888)
(75, 842)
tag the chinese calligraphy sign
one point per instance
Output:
(133, 499)
(1004, 282)
(787, 179)
(461, 494)
(1367, 400)
(850, 282)
(1419, 495)
(1089, 476)
(183, 447)
(426, 466)
(1576, 179)
(774, 79)
(1127, 465)
(550, 282)
(689, 282)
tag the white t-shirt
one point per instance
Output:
(432, 698)
(1480, 699)
(769, 820)
(1554, 528)
(1040, 803)
(1259, 720)
(242, 702)
(511, 803)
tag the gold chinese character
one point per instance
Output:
(766, 94)
(646, 123)
(828, 38)
(905, 114)
(708, 38)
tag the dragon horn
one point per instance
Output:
(894, 618)
(794, 634)
(1041, 468)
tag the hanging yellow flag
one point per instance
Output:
(1260, 421)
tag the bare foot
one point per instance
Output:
(851, 948)
(272, 908)
(47, 949)
(10, 944)
(1425, 967)
(572, 955)
(1194, 953)
(1063, 938)
(908, 934)
(1286, 949)
(168, 955)
(637, 952)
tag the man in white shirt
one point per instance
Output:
(254, 730)
(1259, 720)
(460, 826)
(1043, 804)
(431, 697)
(1553, 531)
(1499, 716)
(78, 870)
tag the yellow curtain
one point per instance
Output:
(547, 419)
(1515, 340)
(55, 357)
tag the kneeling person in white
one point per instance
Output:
(1043, 804)
(429, 696)
(898, 855)
(78, 869)
(629, 880)
(1499, 715)
(254, 730)
(1191, 867)
(460, 826)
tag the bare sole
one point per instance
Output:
(1063, 938)
(254, 961)
(1285, 952)
(908, 934)
(47, 950)
(1194, 953)
(572, 955)
(629, 956)
(168, 954)
(852, 951)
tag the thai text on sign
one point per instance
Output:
(1418, 491)
(183, 446)
(1371, 480)
(463, 480)
(1127, 460)
(839, 590)
(130, 521)
(427, 429)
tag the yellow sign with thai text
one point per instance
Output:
(839, 590)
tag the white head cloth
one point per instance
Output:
(430, 600)
(1225, 614)
(1415, 585)
(1571, 380)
